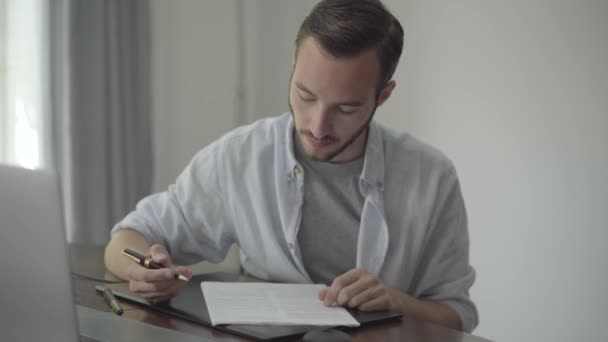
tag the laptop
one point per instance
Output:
(36, 301)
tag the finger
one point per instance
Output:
(158, 275)
(322, 293)
(143, 287)
(160, 255)
(136, 272)
(365, 296)
(159, 296)
(365, 282)
(185, 271)
(376, 304)
(172, 290)
(340, 282)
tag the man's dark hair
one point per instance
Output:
(347, 28)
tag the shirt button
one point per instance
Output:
(296, 169)
(290, 245)
(380, 184)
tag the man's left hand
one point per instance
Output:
(360, 289)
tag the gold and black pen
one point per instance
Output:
(147, 262)
(109, 297)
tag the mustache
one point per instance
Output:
(327, 138)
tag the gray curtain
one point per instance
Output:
(100, 91)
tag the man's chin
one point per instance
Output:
(318, 155)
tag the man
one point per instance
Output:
(322, 194)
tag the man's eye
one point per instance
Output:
(347, 109)
(306, 99)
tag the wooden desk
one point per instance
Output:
(88, 261)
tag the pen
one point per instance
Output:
(147, 262)
(109, 297)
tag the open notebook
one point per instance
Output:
(190, 305)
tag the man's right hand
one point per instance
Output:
(157, 285)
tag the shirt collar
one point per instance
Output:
(373, 164)
(291, 161)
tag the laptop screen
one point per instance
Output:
(36, 301)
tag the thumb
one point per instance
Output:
(160, 255)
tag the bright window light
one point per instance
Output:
(27, 141)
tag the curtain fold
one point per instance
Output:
(100, 99)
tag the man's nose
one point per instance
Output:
(321, 125)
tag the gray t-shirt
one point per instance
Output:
(331, 215)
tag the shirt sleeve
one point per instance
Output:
(445, 274)
(190, 218)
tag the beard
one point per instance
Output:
(333, 154)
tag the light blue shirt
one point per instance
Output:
(247, 188)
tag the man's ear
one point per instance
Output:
(386, 92)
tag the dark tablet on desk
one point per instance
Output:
(190, 305)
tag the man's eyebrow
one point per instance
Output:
(350, 103)
(346, 103)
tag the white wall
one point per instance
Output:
(194, 80)
(516, 93)
(270, 28)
